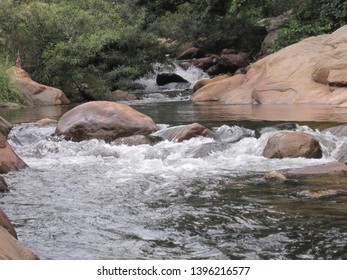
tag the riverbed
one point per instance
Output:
(203, 198)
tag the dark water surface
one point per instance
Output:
(200, 199)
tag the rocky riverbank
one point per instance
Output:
(312, 71)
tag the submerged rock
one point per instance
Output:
(340, 130)
(292, 144)
(136, 140)
(183, 132)
(103, 120)
(331, 168)
(275, 176)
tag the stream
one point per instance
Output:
(204, 198)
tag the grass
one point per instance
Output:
(8, 91)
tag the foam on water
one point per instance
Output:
(97, 200)
(234, 150)
(192, 75)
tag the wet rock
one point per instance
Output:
(331, 168)
(292, 144)
(275, 176)
(6, 224)
(167, 78)
(12, 249)
(183, 132)
(207, 149)
(35, 93)
(46, 121)
(231, 134)
(3, 185)
(136, 140)
(9, 160)
(103, 120)
(340, 130)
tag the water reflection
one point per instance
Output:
(34, 114)
(183, 112)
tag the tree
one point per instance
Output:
(86, 48)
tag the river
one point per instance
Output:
(200, 199)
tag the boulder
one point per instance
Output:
(229, 63)
(6, 224)
(292, 144)
(167, 78)
(201, 83)
(12, 249)
(46, 121)
(103, 120)
(9, 160)
(122, 95)
(205, 62)
(183, 132)
(35, 93)
(214, 90)
(272, 26)
(331, 168)
(190, 53)
(3, 185)
(309, 72)
(275, 176)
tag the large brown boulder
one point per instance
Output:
(183, 132)
(35, 93)
(9, 160)
(103, 120)
(292, 144)
(12, 249)
(312, 71)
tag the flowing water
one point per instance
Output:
(204, 198)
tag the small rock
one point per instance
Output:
(275, 176)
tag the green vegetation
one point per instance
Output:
(8, 91)
(89, 48)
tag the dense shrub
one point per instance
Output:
(8, 91)
(86, 47)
